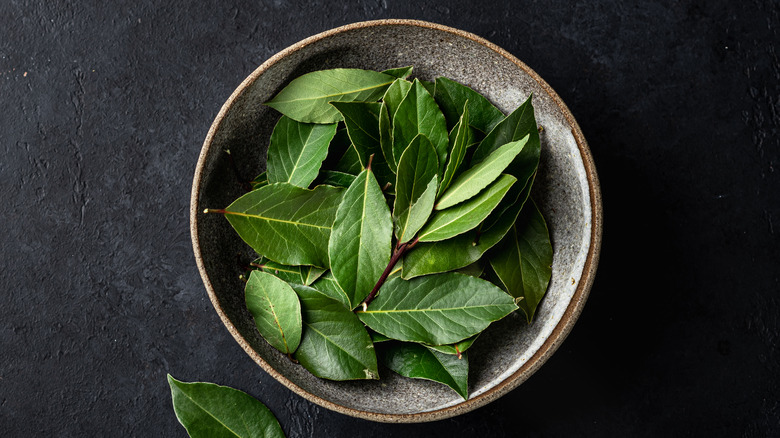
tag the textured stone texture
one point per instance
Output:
(104, 112)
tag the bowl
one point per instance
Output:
(566, 190)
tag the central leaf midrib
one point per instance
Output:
(210, 414)
(429, 309)
(271, 219)
(303, 150)
(358, 90)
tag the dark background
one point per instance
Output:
(104, 110)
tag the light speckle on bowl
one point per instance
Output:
(566, 191)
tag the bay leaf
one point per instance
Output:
(452, 96)
(286, 223)
(414, 217)
(458, 348)
(419, 362)
(418, 114)
(207, 410)
(460, 251)
(334, 344)
(297, 150)
(307, 98)
(337, 179)
(386, 137)
(523, 259)
(465, 216)
(276, 310)
(400, 72)
(395, 95)
(430, 86)
(328, 285)
(360, 243)
(416, 168)
(458, 142)
(436, 309)
(362, 122)
(479, 176)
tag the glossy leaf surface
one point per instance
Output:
(459, 138)
(334, 345)
(286, 223)
(465, 216)
(451, 96)
(328, 285)
(459, 347)
(297, 150)
(275, 309)
(419, 114)
(419, 362)
(360, 242)
(307, 98)
(416, 168)
(207, 410)
(472, 181)
(436, 309)
(523, 260)
(414, 217)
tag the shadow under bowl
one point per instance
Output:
(566, 190)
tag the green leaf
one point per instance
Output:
(297, 150)
(419, 114)
(328, 285)
(475, 269)
(472, 181)
(455, 349)
(207, 410)
(307, 98)
(276, 310)
(342, 155)
(337, 179)
(287, 224)
(334, 345)
(259, 181)
(467, 215)
(515, 127)
(400, 72)
(523, 260)
(291, 274)
(416, 215)
(462, 250)
(419, 362)
(430, 86)
(416, 168)
(451, 96)
(360, 243)
(458, 138)
(395, 95)
(386, 137)
(378, 337)
(362, 121)
(436, 309)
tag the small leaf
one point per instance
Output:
(436, 309)
(451, 96)
(360, 243)
(401, 72)
(334, 345)
(307, 98)
(259, 181)
(207, 410)
(472, 181)
(337, 179)
(459, 138)
(419, 114)
(297, 150)
(455, 349)
(416, 215)
(291, 274)
(462, 250)
(328, 285)
(378, 337)
(287, 224)
(417, 166)
(523, 260)
(275, 309)
(419, 362)
(456, 220)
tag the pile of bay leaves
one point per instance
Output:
(393, 224)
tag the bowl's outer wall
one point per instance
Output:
(561, 190)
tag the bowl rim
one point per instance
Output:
(555, 338)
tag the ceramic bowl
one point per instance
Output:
(566, 191)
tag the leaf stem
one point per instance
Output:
(397, 254)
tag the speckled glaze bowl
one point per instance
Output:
(566, 189)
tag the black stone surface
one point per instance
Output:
(104, 110)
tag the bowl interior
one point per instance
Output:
(502, 357)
